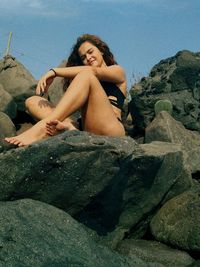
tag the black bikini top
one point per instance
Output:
(112, 89)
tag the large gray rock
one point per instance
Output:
(167, 129)
(155, 252)
(7, 104)
(7, 127)
(152, 179)
(176, 79)
(195, 264)
(16, 80)
(36, 234)
(108, 183)
(177, 223)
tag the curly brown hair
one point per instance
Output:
(75, 60)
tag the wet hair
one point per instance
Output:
(74, 58)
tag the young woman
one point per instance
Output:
(96, 87)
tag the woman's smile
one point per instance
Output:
(91, 61)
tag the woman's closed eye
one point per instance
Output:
(90, 51)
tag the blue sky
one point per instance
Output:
(140, 33)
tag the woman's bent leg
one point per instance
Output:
(38, 107)
(98, 114)
(85, 92)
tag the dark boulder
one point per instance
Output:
(176, 79)
(109, 184)
(155, 252)
(177, 223)
(36, 234)
(7, 104)
(7, 128)
(167, 129)
(16, 80)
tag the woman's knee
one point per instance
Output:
(32, 100)
(87, 75)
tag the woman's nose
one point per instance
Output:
(88, 56)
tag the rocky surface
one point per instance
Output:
(36, 234)
(16, 80)
(7, 126)
(178, 222)
(165, 128)
(153, 251)
(7, 104)
(111, 170)
(78, 199)
(176, 79)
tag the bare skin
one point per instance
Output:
(54, 127)
(39, 108)
(86, 93)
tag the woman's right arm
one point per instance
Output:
(44, 82)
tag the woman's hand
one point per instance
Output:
(44, 82)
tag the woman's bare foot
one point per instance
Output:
(54, 127)
(35, 133)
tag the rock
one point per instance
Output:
(16, 80)
(154, 252)
(167, 129)
(175, 79)
(7, 127)
(7, 104)
(153, 180)
(177, 223)
(105, 182)
(86, 177)
(36, 234)
(195, 264)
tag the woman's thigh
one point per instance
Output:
(98, 114)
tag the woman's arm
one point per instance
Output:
(113, 73)
(67, 72)
(70, 72)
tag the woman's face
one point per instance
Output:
(91, 55)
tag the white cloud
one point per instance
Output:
(151, 3)
(20, 4)
(37, 8)
(120, 1)
(71, 8)
(36, 4)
